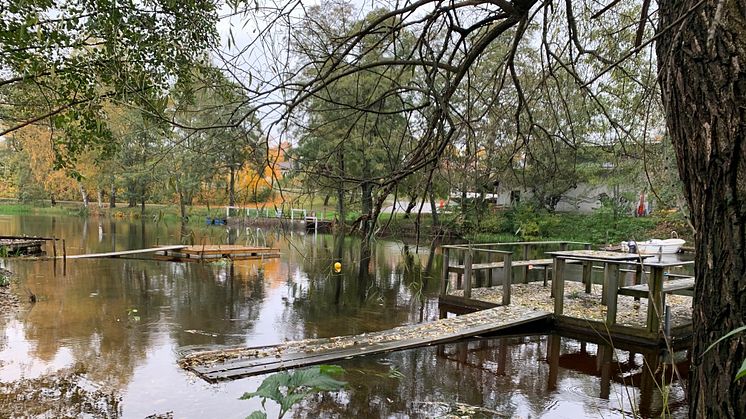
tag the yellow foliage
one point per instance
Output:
(250, 183)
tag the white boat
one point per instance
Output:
(654, 246)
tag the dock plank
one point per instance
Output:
(669, 286)
(236, 363)
(123, 252)
(493, 265)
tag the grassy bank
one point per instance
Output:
(526, 224)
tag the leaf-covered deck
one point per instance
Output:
(242, 362)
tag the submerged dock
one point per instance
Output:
(236, 363)
(217, 251)
(185, 253)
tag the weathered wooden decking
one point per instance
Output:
(242, 362)
(223, 251)
(184, 253)
(21, 247)
(124, 252)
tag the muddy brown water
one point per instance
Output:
(104, 337)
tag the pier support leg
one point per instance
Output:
(525, 268)
(444, 272)
(638, 276)
(507, 278)
(604, 355)
(655, 307)
(559, 287)
(587, 271)
(553, 353)
(611, 294)
(467, 274)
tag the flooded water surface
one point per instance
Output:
(104, 336)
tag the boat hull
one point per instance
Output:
(656, 246)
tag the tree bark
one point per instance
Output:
(84, 194)
(434, 209)
(232, 188)
(702, 73)
(113, 196)
(366, 198)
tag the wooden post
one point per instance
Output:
(444, 273)
(526, 248)
(64, 258)
(612, 287)
(507, 277)
(588, 272)
(553, 353)
(587, 275)
(638, 275)
(54, 247)
(605, 355)
(655, 309)
(605, 285)
(467, 274)
(559, 286)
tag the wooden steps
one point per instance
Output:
(242, 362)
(670, 286)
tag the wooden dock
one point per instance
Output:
(594, 306)
(125, 252)
(20, 247)
(184, 253)
(235, 363)
(213, 252)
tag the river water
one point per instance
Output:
(104, 336)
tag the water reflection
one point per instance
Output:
(113, 327)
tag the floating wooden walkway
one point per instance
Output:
(124, 252)
(243, 362)
(183, 253)
(213, 252)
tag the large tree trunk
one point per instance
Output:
(702, 63)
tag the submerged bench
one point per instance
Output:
(668, 287)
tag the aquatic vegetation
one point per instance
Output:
(289, 388)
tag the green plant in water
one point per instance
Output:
(741, 373)
(289, 388)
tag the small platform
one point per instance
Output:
(213, 252)
(124, 253)
(235, 363)
(21, 247)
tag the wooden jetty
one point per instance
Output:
(213, 252)
(125, 252)
(583, 307)
(26, 245)
(242, 362)
(185, 253)
(21, 247)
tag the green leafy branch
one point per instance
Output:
(289, 388)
